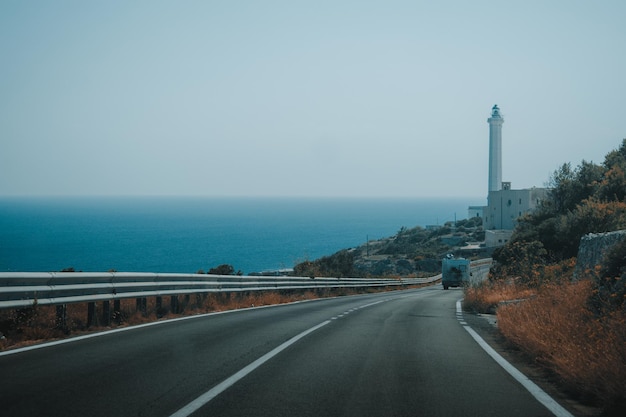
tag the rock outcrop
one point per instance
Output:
(593, 248)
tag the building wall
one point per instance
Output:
(506, 205)
(495, 238)
(475, 211)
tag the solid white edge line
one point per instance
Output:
(121, 329)
(228, 382)
(541, 396)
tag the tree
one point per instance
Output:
(616, 157)
(571, 186)
(561, 188)
(588, 199)
(521, 260)
(613, 185)
(223, 269)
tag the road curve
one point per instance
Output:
(402, 353)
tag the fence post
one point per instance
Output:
(91, 314)
(106, 313)
(117, 311)
(174, 304)
(142, 305)
(61, 320)
(158, 306)
(185, 303)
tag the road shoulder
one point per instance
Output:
(486, 326)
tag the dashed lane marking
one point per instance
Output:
(230, 381)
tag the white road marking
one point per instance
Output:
(228, 382)
(139, 326)
(539, 394)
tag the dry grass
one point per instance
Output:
(588, 353)
(486, 297)
(555, 327)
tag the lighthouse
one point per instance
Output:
(495, 149)
(504, 204)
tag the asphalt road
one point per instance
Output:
(392, 354)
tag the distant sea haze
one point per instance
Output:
(185, 234)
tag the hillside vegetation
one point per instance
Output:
(411, 252)
(574, 327)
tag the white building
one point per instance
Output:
(504, 205)
(494, 238)
(475, 211)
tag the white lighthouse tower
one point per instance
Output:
(504, 204)
(495, 149)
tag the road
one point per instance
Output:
(402, 353)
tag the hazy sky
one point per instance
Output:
(293, 98)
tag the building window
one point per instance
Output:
(520, 201)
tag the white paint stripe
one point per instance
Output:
(228, 382)
(157, 323)
(139, 326)
(541, 396)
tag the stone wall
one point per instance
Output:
(593, 248)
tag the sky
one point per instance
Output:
(303, 98)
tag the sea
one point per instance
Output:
(189, 234)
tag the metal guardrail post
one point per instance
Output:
(117, 311)
(142, 305)
(174, 304)
(106, 313)
(91, 314)
(159, 306)
(61, 317)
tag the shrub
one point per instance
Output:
(223, 269)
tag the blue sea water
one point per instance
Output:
(186, 234)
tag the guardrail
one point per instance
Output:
(25, 289)
(480, 270)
